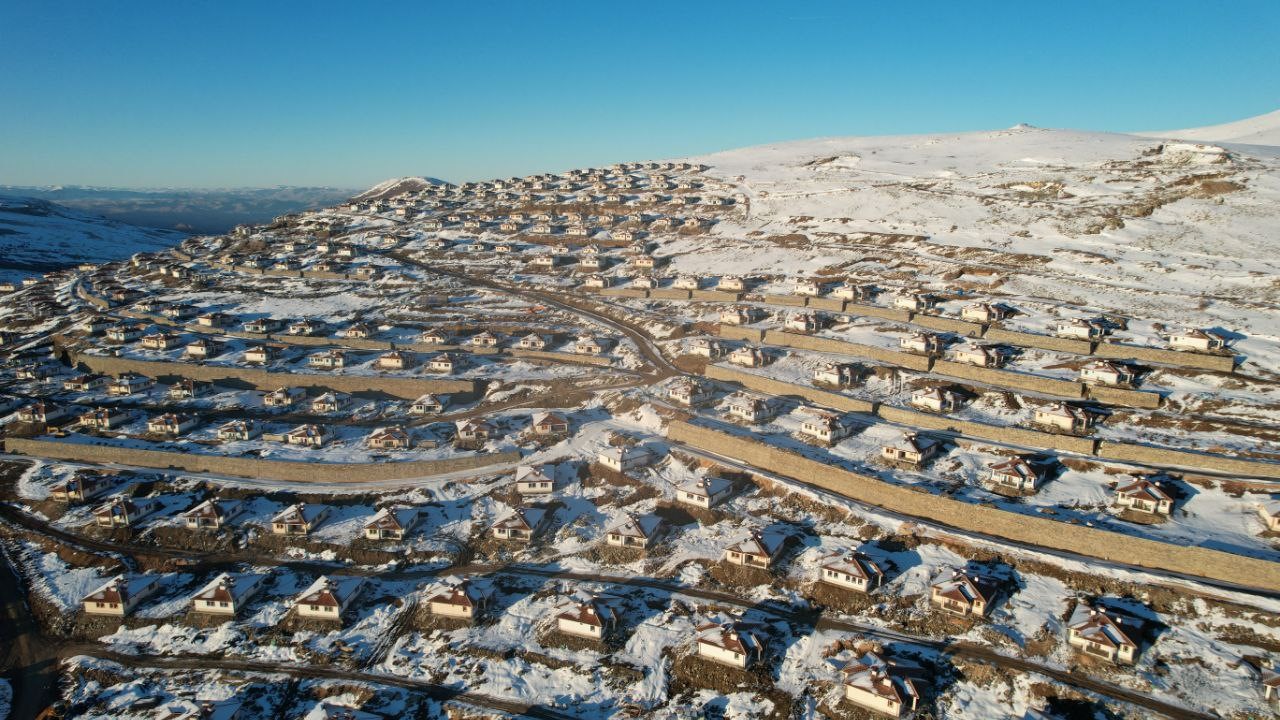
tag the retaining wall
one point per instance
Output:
(1030, 530)
(715, 296)
(402, 387)
(1201, 361)
(1121, 396)
(768, 385)
(669, 294)
(876, 311)
(831, 304)
(994, 433)
(821, 344)
(945, 324)
(1009, 379)
(624, 292)
(789, 300)
(1044, 342)
(596, 360)
(286, 470)
(1165, 456)
(738, 332)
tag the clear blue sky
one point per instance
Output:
(204, 94)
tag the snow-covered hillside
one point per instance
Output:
(37, 236)
(1260, 130)
(1174, 230)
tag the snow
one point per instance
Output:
(1259, 130)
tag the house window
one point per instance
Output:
(223, 604)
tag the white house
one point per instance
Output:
(591, 619)
(1196, 340)
(522, 525)
(227, 594)
(535, 480)
(826, 427)
(964, 594)
(921, 342)
(213, 514)
(989, 356)
(917, 302)
(748, 408)
(625, 458)
(635, 531)
(1081, 329)
(690, 393)
(704, 492)
(910, 449)
(936, 399)
(1108, 372)
(299, 519)
(733, 643)
(748, 356)
(1102, 632)
(707, 348)
(1065, 418)
(1017, 474)
(985, 312)
(881, 686)
(460, 601)
(328, 597)
(124, 512)
(428, 405)
(283, 397)
(851, 571)
(839, 375)
(760, 550)
(1144, 495)
(120, 595)
(391, 523)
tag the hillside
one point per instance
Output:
(37, 236)
(1260, 130)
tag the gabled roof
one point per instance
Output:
(766, 543)
(230, 587)
(331, 591)
(1018, 466)
(1145, 489)
(967, 587)
(641, 526)
(463, 594)
(299, 513)
(393, 519)
(1105, 626)
(706, 486)
(533, 473)
(734, 636)
(219, 509)
(523, 519)
(874, 674)
(856, 564)
(121, 589)
(589, 612)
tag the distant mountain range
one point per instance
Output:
(204, 212)
(37, 236)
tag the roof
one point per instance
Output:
(393, 519)
(765, 543)
(523, 519)
(1105, 626)
(1144, 488)
(549, 418)
(230, 587)
(967, 587)
(299, 512)
(876, 675)
(913, 443)
(331, 591)
(462, 594)
(706, 486)
(121, 588)
(856, 564)
(590, 612)
(1021, 467)
(533, 473)
(641, 526)
(213, 509)
(734, 636)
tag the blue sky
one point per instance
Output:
(205, 94)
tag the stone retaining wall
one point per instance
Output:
(1044, 342)
(1121, 396)
(821, 344)
(1165, 456)
(877, 311)
(1029, 530)
(768, 385)
(1201, 361)
(1009, 379)
(715, 296)
(285, 470)
(945, 324)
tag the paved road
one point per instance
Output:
(26, 658)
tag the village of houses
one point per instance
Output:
(414, 456)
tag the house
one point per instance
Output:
(34, 371)
(645, 282)
(687, 282)
(443, 362)
(392, 523)
(123, 512)
(160, 341)
(1065, 418)
(86, 383)
(532, 341)
(328, 597)
(172, 424)
(704, 492)
(41, 412)
(850, 291)
(107, 418)
(1108, 372)
(1144, 495)
(522, 525)
(740, 316)
(1271, 688)
(707, 348)
(179, 312)
(988, 356)
(82, 486)
(1195, 340)
(395, 360)
(635, 531)
(306, 327)
(625, 458)
(283, 397)
(852, 571)
(964, 594)
(331, 402)
(802, 322)
(733, 643)
(984, 312)
(214, 320)
(1082, 329)
(227, 594)
(463, 601)
(1106, 633)
(549, 423)
(730, 283)
(390, 438)
(213, 514)
(187, 388)
(308, 436)
(591, 619)
(587, 345)
(428, 405)
(120, 595)
(433, 337)
(760, 550)
(911, 449)
(262, 354)
(748, 408)
(837, 375)
(922, 343)
(473, 430)
(916, 302)
(299, 519)
(129, 383)
(201, 348)
(123, 333)
(597, 281)
(330, 359)
(264, 326)
(827, 427)
(881, 686)
(936, 399)
(690, 393)
(748, 356)
(808, 288)
(358, 331)
(1017, 474)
